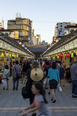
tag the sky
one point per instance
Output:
(44, 14)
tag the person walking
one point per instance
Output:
(40, 103)
(30, 80)
(73, 71)
(62, 75)
(6, 77)
(24, 69)
(16, 73)
(54, 78)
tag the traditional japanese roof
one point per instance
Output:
(11, 41)
(37, 48)
(65, 39)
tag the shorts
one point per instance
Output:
(53, 84)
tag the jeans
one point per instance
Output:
(74, 87)
(15, 82)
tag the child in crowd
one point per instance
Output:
(6, 77)
(40, 102)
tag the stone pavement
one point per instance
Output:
(11, 102)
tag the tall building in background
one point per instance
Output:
(2, 25)
(33, 36)
(62, 29)
(24, 28)
(37, 39)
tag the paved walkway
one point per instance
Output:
(11, 102)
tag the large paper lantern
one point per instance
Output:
(10, 55)
(58, 56)
(53, 57)
(72, 54)
(61, 55)
(2, 54)
(67, 54)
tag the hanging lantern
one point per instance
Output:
(53, 57)
(72, 54)
(10, 55)
(2, 54)
(68, 55)
(61, 55)
(58, 56)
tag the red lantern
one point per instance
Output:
(67, 54)
(61, 55)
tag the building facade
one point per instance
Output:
(62, 29)
(24, 27)
(2, 25)
(37, 39)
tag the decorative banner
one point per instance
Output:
(15, 56)
(67, 54)
(61, 55)
(2, 54)
(67, 61)
(18, 58)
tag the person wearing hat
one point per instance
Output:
(74, 78)
(34, 74)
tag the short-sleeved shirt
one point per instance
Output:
(16, 69)
(73, 70)
(43, 110)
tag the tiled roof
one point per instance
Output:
(37, 48)
(63, 41)
(12, 42)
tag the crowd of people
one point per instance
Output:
(54, 72)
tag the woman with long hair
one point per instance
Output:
(39, 103)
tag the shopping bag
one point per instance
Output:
(4, 83)
(59, 88)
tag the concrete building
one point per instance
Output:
(62, 29)
(33, 36)
(37, 39)
(2, 25)
(24, 27)
(11, 33)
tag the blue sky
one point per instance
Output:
(44, 13)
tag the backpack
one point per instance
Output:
(25, 92)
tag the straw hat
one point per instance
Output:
(36, 74)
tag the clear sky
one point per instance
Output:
(44, 13)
